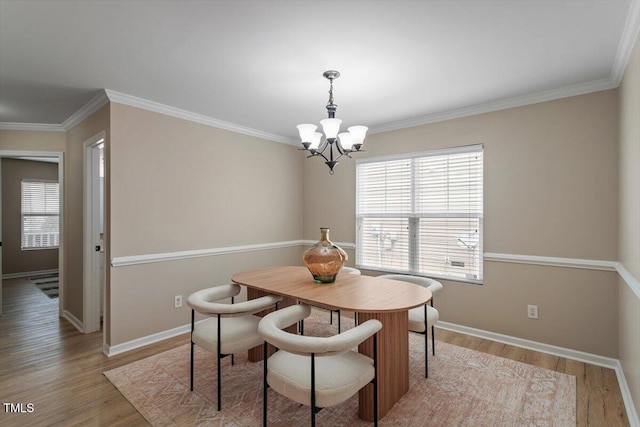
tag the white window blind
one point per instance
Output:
(422, 213)
(40, 214)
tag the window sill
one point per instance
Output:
(435, 277)
(40, 249)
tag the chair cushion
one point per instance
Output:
(338, 377)
(416, 318)
(238, 334)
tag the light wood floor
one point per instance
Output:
(45, 361)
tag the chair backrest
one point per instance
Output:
(433, 285)
(271, 328)
(204, 301)
(350, 270)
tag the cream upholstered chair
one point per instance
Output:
(232, 328)
(316, 371)
(421, 318)
(350, 270)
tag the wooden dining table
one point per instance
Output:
(371, 298)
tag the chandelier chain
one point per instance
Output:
(331, 107)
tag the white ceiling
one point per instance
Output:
(259, 64)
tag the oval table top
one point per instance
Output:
(363, 294)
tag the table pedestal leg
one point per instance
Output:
(393, 362)
(256, 354)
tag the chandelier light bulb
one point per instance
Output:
(315, 141)
(331, 127)
(358, 133)
(306, 132)
(346, 140)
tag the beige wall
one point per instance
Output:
(73, 205)
(629, 231)
(14, 259)
(179, 186)
(142, 295)
(20, 140)
(550, 190)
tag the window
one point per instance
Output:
(421, 213)
(40, 215)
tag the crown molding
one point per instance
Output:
(40, 127)
(627, 42)
(133, 101)
(503, 104)
(88, 109)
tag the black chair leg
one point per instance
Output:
(433, 339)
(426, 355)
(264, 384)
(313, 390)
(192, 327)
(426, 344)
(338, 312)
(191, 370)
(219, 368)
(331, 317)
(375, 382)
(433, 334)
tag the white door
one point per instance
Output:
(93, 230)
(0, 236)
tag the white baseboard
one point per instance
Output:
(580, 356)
(593, 359)
(632, 414)
(73, 320)
(149, 339)
(29, 274)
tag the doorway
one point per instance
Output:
(94, 242)
(53, 157)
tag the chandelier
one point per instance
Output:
(335, 145)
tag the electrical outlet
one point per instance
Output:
(532, 311)
(177, 301)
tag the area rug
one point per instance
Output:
(47, 284)
(464, 388)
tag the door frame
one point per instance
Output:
(60, 156)
(91, 228)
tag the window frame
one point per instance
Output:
(414, 216)
(37, 214)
